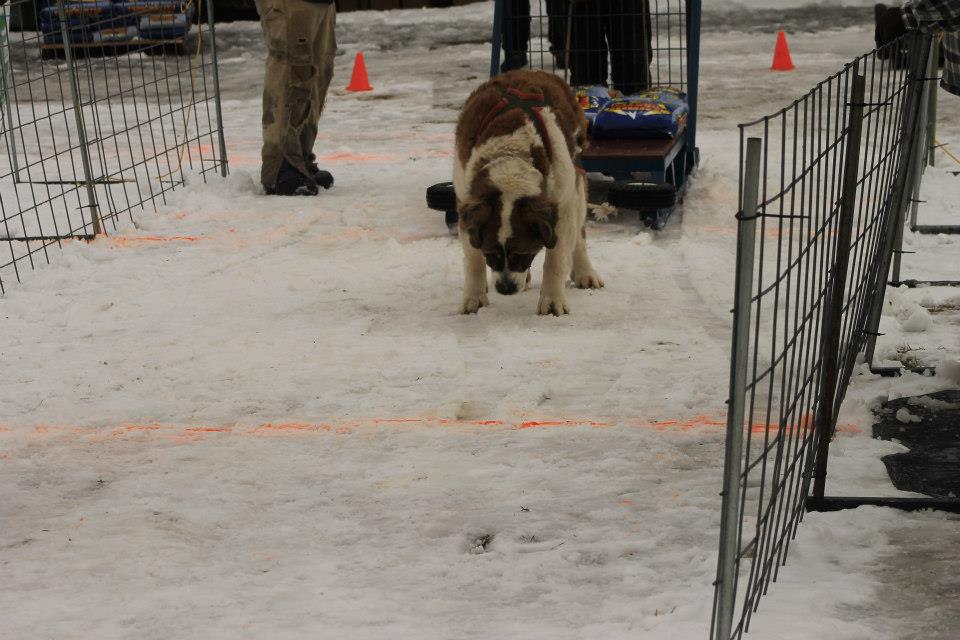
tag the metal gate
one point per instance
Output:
(101, 117)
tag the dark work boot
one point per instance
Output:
(291, 182)
(322, 178)
(513, 60)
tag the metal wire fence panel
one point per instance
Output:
(822, 188)
(922, 160)
(106, 109)
(631, 45)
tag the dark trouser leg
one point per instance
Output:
(291, 98)
(324, 50)
(557, 25)
(515, 27)
(628, 31)
(588, 51)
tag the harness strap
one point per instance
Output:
(532, 104)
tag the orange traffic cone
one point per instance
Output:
(359, 80)
(781, 55)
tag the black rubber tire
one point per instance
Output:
(441, 197)
(642, 196)
(597, 191)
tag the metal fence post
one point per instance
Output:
(739, 358)
(4, 66)
(918, 160)
(81, 126)
(497, 37)
(932, 111)
(224, 166)
(825, 417)
(903, 188)
(924, 150)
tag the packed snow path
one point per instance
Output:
(250, 417)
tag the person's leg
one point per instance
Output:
(515, 29)
(290, 28)
(276, 79)
(628, 31)
(324, 52)
(557, 29)
(523, 30)
(588, 52)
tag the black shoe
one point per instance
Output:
(322, 178)
(291, 182)
(516, 60)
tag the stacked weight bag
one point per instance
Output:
(105, 21)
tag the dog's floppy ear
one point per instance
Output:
(473, 218)
(541, 216)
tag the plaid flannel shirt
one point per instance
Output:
(931, 16)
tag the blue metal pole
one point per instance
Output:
(694, 11)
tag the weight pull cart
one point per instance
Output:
(602, 41)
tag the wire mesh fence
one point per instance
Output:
(106, 108)
(631, 45)
(824, 184)
(928, 115)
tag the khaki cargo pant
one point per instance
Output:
(300, 49)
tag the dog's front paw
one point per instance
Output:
(587, 280)
(555, 304)
(472, 303)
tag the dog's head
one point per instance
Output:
(510, 231)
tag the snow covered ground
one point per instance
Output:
(248, 417)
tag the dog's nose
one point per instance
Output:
(506, 287)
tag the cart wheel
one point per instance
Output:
(642, 196)
(598, 190)
(441, 197)
(453, 221)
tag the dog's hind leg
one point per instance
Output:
(584, 276)
(475, 278)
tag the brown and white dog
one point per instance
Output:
(519, 189)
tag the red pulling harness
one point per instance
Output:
(532, 104)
